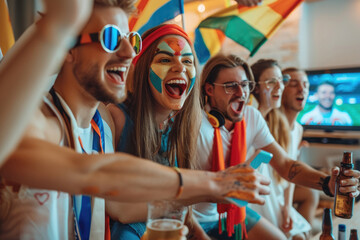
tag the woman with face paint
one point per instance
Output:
(160, 118)
(278, 207)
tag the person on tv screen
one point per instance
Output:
(324, 112)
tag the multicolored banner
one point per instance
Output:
(247, 26)
(151, 13)
(6, 32)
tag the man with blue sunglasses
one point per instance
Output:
(93, 71)
(40, 174)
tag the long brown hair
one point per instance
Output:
(275, 119)
(182, 140)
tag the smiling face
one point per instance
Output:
(296, 91)
(172, 72)
(230, 105)
(326, 96)
(103, 74)
(270, 94)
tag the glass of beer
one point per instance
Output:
(165, 220)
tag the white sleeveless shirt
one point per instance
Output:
(28, 213)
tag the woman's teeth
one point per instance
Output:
(176, 87)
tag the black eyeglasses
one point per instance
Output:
(110, 38)
(233, 87)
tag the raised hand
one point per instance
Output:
(244, 183)
(68, 13)
(249, 3)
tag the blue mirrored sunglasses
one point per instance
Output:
(110, 38)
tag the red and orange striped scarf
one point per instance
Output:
(235, 216)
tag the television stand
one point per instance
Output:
(332, 140)
(326, 148)
(331, 134)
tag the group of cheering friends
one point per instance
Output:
(118, 101)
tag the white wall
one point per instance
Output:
(329, 34)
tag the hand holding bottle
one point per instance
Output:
(349, 185)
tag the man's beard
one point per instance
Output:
(90, 82)
(233, 119)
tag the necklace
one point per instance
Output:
(164, 124)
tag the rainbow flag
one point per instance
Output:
(247, 26)
(227, 3)
(6, 32)
(151, 13)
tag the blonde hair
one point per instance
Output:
(279, 127)
(182, 140)
(275, 119)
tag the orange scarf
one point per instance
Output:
(235, 216)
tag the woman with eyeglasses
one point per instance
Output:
(278, 206)
(160, 118)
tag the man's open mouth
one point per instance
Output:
(299, 99)
(175, 88)
(117, 74)
(237, 106)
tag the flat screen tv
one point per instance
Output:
(334, 100)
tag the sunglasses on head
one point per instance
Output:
(110, 38)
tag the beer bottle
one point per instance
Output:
(344, 203)
(353, 235)
(327, 226)
(342, 232)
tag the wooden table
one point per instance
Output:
(354, 222)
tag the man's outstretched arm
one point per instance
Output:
(302, 174)
(40, 164)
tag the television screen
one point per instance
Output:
(334, 100)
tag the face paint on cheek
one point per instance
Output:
(155, 80)
(157, 74)
(176, 46)
(192, 77)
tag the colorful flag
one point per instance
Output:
(151, 13)
(227, 3)
(247, 26)
(6, 33)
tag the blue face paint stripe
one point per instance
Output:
(192, 82)
(156, 81)
(187, 54)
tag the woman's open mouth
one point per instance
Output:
(276, 97)
(175, 88)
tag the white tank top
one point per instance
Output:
(29, 213)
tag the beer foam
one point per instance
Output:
(165, 224)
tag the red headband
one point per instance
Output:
(167, 29)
